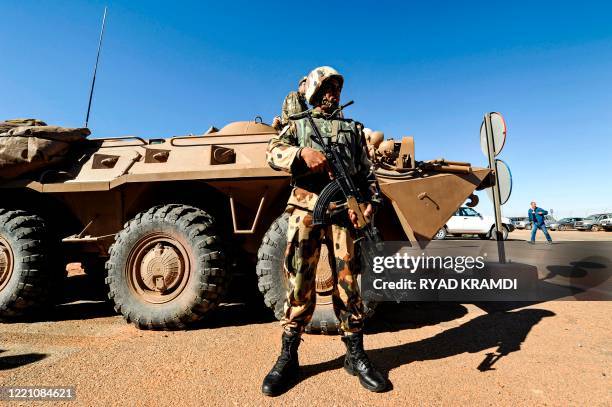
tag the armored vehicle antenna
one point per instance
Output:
(93, 81)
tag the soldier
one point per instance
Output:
(295, 102)
(295, 152)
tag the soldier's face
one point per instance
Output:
(331, 95)
(302, 88)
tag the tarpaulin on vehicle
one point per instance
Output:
(12, 123)
(29, 144)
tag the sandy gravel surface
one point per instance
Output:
(554, 353)
(522, 234)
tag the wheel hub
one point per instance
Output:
(158, 268)
(161, 268)
(325, 278)
(6, 262)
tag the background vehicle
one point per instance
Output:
(566, 223)
(172, 220)
(550, 222)
(606, 223)
(521, 222)
(468, 221)
(591, 222)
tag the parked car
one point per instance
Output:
(592, 222)
(549, 221)
(467, 221)
(565, 224)
(552, 225)
(606, 223)
(521, 222)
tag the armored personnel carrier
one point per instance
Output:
(171, 219)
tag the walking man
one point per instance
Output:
(537, 218)
(295, 152)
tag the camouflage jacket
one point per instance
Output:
(293, 103)
(283, 154)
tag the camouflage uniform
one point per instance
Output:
(304, 239)
(293, 103)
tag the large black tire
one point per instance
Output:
(26, 263)
(175, 246)
(273, 283)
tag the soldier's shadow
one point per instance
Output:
(504, 330)
(392, 317)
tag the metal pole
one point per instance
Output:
(93, 81)
(496, 194)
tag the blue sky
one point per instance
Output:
(426, 69)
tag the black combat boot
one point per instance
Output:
(357, 363)
(286, 367)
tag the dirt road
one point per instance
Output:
(554, 353)
(522, 234)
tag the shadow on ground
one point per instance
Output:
(15, 361)
(84, 297)
(392, 317)
(505, 331)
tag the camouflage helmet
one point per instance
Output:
(316, 78)
(376, 138)
(386, 148)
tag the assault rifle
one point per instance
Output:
(341, 193)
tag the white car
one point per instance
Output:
(521, 223)
(467, 221)
(606, 223)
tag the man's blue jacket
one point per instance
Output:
(535, 217)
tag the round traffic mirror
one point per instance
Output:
(498, 124)
(504, 179)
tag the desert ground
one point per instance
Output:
(548, 353)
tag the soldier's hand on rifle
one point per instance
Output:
(315, 160)
(367, 213)
(276, 123)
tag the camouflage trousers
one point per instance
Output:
(301, 259)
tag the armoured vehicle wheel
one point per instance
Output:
(166, 268)
(273, 283)
(271, 277)
(25, 272)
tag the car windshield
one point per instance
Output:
(592, 217)
(469, 212)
